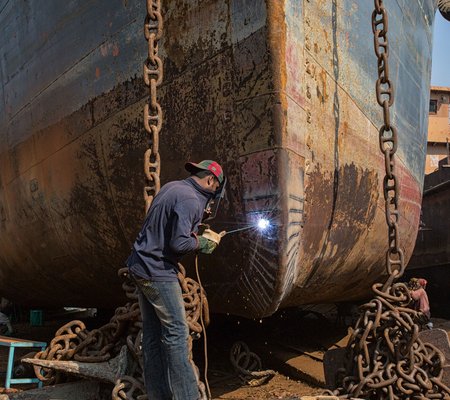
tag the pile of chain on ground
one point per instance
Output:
(386, 359)
(74, 342)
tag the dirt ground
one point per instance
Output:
(224, 383)
(280, 387)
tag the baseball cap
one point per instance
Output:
(206, 165)
(422, 282)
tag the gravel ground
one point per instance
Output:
(279, 387)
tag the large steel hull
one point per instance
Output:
(280, 92)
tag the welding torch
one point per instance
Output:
(262, 224)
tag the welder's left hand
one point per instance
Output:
(205, 245)
(209, 240)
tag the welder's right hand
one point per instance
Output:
(205, 245)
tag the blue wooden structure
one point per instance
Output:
(12, 343)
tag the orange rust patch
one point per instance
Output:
(277, 44)
(277, 38)
(323, 82)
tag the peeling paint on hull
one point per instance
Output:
(280, 92)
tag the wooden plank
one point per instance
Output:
(16, 342)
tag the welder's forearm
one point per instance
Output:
(183, 240)
(184, 244)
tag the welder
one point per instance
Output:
(420, 301)
(170, 230)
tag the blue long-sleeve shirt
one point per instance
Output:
(169, 230)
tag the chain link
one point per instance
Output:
(385, 357)
(395, 260)
(153, 117)
(248, 365)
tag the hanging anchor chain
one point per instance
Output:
(385, 357)
(73, 341)
(153, 117)
(194, 297)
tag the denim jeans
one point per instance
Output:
(168, 373)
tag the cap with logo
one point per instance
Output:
(206, 165)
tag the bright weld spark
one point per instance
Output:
(263, 224)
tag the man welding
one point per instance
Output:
(170, 231)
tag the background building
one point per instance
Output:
(438, 127)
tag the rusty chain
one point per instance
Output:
(153, 76)
(74, 342)
(126, 387)
(248, 365)
(444, 6)
(153, 118)
(385, 357)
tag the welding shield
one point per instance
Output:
(213, 205)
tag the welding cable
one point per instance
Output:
(202, 322)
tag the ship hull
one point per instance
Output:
(281, 93)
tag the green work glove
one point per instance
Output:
(205, 245)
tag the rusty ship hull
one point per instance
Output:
(280, 92)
